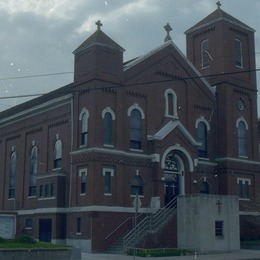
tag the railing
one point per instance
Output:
(150, 223)
(125, 223)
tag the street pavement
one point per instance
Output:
(245, 254)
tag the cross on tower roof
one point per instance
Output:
(218, 4)
(99, 24)
(167, 28)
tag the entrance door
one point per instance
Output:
(171, 190)
(45, 230)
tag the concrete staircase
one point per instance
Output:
(152, 223)
(117, 247)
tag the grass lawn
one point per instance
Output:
(251, 242)
(161, 252)
(26, 241)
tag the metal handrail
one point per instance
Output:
(122, 224)
(152, 222)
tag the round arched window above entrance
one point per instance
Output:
(171, 163)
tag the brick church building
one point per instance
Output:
(164, 128)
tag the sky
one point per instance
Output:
(38, 37)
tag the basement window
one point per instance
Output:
(219, 229)
(28, 223)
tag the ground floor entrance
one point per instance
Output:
(45, 230)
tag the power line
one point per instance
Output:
(37, 75)
(117, 85)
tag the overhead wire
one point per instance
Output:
(122, 85)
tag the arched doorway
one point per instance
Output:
(176, 162)
(173, 176)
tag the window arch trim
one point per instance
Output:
(243, 120)
(174, 103)
(108, 110)
(135, 106)
(83, 111)
(57, 153)
(202, 119)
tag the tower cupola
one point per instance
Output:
(99, 57)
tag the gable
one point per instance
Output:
(165, 64)
(168, 128)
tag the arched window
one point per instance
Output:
(242, 140)
(57, 154)
(238, 53)
(12, 174)
(135, 129)
(205, 56)
(108, 131)
(33, 171)
(137, 185)
(203, 139)
(170, 103)
(84, 129)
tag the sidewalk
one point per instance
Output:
(245, 254)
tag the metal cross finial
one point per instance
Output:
(99, 24)
(218, 4)
(167, 28)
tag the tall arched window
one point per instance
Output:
(57, 154)
(12, 174)
(33, 171)
(108, 131)
(170, 103)
(238, 53)
(242, 140)
(203, 139)
(84, 129)
(135, 129)
(205, 56)
(137, 185)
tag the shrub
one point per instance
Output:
(2, 240)
(25, 239)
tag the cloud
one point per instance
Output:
(123, 12)
(53, 9)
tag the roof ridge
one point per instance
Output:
(98, 38)
(216, 15)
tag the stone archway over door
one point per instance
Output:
(174, 181)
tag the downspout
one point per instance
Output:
(71, 147)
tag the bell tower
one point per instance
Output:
(222, 49)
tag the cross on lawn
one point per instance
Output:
(219, 204)
(99, 24)
(218, 4)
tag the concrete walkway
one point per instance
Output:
(241, 254)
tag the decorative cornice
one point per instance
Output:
(58, 123)
(240, 160)
(242, 92)
(205, 31)
(36, 110)
(96, 208)
(235, 29)
(169, 75)
(35, 130)
(136, 94)
(202, 107)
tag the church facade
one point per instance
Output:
(159, 127)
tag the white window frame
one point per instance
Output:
(244, 180)
(111, 171)
(81, 172)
